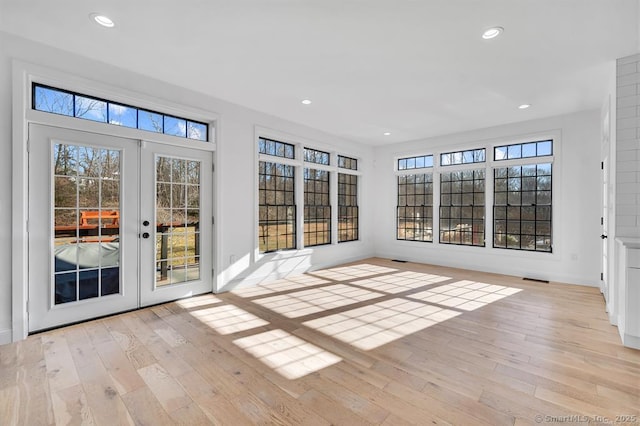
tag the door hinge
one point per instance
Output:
(28, 145)
(27, 226)
(213, 220)
(602, 165)
(213, 272)
(213, 167)
(601, 220)
(601, 276)
(27, 306)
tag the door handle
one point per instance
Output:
(603, 236)
(145, 223)
(145, 235)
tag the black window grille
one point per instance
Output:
(317, 208)
(419, 162)
(347, 163)
(523, 150)
(277, 208)
(462, 207)
(415, 207)
(347, 207)
(315, 156)
(522, 207)
(469, 156)
(276, 148)
(64, 102)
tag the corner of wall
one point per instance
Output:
(5, 336)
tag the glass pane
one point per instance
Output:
(175, 126)
(122, 115)
(178, 171)
(163, 195)
(196, 131)
(109, 281)
(65, 288)
(91, 109)
(193, 172)
(193, 196)
(544, 148)
(514, 151)
(65, 192)
(163, 169)
(55, 101)
(65, 257)
(65, 160)
(150, 121)
(500, 152)
(89, 194)
(178, 196)
(110, 193)
(529, 150)
(88, 284)
(288, 151)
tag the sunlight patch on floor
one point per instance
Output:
(306, 302)
(346, 273)
(465, 295)
(372, 326)
(288, 355)
(400, 281)
(288, 284)
(228, 319)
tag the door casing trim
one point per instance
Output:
(23, 74)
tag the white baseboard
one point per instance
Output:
(631, 341)
(5, 336)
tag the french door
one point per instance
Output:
(114, 224)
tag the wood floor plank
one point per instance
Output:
(165, 387)
(506, 355)
(70, 406)
(145, 408)
(60, 366)
(99, 389)
(122, 371)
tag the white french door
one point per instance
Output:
(114, 224)
(175, 223)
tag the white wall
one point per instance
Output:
(627, 146)
(235, 171)
(5, 196)
(576, 203)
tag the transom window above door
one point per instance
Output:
(72, 104)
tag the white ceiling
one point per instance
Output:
(415, 68)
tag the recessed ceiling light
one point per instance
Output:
(105, 21)
(387, 133)
(524, 106)
(306, 102)
(492, 33)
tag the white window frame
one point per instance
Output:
(24, 74)
(490, 165)
(298, 162)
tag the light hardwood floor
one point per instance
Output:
(374, 342)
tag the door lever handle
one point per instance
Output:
(145, 235)
(603, 236)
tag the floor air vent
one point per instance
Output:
(398, 260)
(536, 280)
